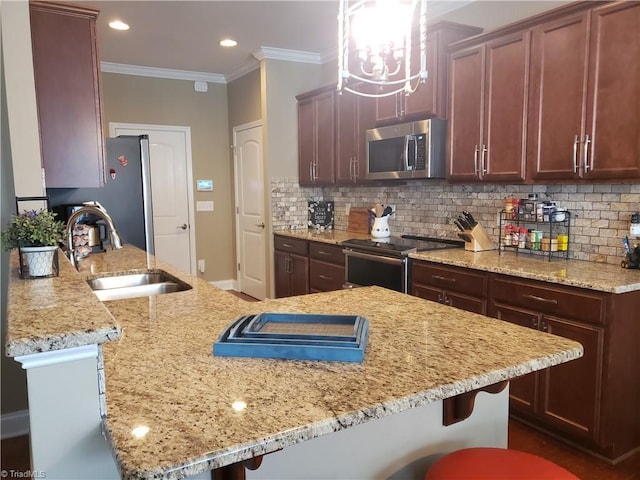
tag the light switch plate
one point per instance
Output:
(204, 206)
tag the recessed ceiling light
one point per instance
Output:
(227, 42)
(118, 25)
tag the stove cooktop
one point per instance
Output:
(401, 246)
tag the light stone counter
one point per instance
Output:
(160, 372)
(575, 273)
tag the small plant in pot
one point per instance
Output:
(37, 235)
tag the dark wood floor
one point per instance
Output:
(15, 455)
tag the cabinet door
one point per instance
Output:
(570, 393)
(346, 137)
(613, 100)
(466, 302)
(558, 97)
(67, 80)
(325, 277)
(465, 111)
(424, 102)
(387, 108)
(306, 141)
(427, 293)
(523, 390)
(503, 152)
(325, 137)
(281, 274)
(299, 275)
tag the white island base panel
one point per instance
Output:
(398, 447)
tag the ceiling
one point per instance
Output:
(180, 38)
(184, 35)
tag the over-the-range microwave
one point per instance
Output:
(407, 150)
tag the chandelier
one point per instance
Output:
(379, 34)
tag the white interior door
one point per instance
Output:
(171, 191)
(250, 224)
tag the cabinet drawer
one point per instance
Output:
(568, 302)
(453, 279)
(291, 245)
(325, 277)
(326, 253)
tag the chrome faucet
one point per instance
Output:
(96, 209)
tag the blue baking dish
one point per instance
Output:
(295, 336)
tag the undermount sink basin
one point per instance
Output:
(138, 284)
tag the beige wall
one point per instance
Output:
(133, 99)
(244, 100)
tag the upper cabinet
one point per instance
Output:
(316, 137)
(488, 110)
(584, 121)
(430, 99)
(67, 80)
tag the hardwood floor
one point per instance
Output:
(15, 455)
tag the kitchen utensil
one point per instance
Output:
(378, 209)
(465, 237)
(459, 225)
(463, 221)
(387, 211)
(470, 219)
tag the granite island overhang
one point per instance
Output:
(159, 376)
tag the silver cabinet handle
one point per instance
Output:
(576, 142)
(483, 160)
(261, 225)
(476, 150)
(286, 245)
(324, 277)
(322, 252)
(183, 226)
(541, 299)
(311, 172)
(585, 162)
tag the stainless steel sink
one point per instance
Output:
(137, 284)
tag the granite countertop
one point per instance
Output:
(576, 273)
(160, 371)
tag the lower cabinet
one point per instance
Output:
(291, 266)
(457, 287)
(593, 401)
(326, 267)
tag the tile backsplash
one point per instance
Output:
(601, 213)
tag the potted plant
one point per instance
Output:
(36, 234)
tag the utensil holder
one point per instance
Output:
(380, 227)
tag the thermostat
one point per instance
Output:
(205, 185)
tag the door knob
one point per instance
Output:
(261, 225)
(183, 226)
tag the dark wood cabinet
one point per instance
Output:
(591, 401)
(67, 81)
(585, 101)
(326, 267)
(316, 137)
(457, 287)
(613, 96)
(291, 262)
(430, 99)
(354, 115)
(488, 109)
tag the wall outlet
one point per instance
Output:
(201, 266)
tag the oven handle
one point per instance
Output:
(376, 258)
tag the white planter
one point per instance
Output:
(39, 260)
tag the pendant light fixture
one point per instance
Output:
(375, 38)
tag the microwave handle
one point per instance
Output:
(407, 138)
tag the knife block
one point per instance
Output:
(479, 240)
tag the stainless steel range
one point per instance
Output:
(384, 261)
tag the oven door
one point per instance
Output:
(366, 269)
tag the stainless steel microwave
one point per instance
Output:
(407, 150)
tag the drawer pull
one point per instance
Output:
(321, 252)
(541, 299)
(286, 245)
(444, 279)
(324, 277)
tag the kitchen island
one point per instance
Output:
(169, 408)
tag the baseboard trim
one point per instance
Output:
(14, 424)
(225, 284)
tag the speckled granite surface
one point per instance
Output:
(595, 276)
(160, 372)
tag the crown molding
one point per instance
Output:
(288, 55)
(250, 66)
(161, 72)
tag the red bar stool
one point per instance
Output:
(495, 464)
